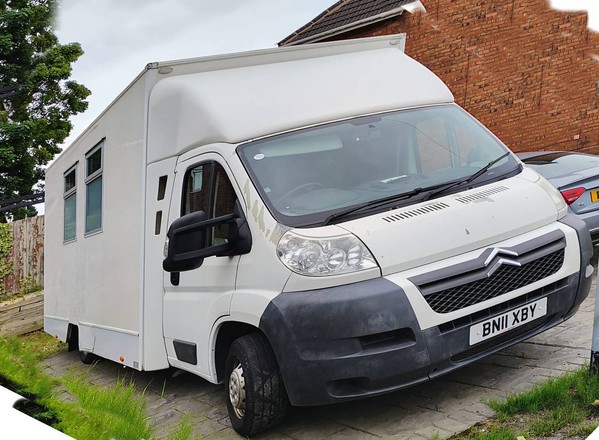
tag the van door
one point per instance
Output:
(195, 299)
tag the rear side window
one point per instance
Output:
(93, 189)
(70, 205)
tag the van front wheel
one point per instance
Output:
(256, 396)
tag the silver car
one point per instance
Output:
(576, 176)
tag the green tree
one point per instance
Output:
(34, 121)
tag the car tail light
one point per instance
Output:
(570, 195)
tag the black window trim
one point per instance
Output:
(99, 171)
(71, 169)
(188, 171)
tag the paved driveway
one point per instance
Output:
(446, 405)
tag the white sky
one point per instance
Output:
(120, 37)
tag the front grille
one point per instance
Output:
(504, 280)
(466, 321)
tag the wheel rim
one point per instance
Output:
(237, 390)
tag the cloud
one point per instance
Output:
(119, 37)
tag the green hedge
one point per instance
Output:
(6, 266)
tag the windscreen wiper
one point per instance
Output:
(373, 204)
(427, 192)
(466, 180)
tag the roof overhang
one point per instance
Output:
(416, 5)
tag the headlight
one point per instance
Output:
(553, 192)
(319, 257)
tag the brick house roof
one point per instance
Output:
(343, 16)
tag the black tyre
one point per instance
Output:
(87, 357)
(255, 394)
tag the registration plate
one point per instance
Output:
(507, 321)
(594, 195)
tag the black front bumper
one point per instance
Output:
(363, 339)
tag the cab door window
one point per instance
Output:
(208, 189)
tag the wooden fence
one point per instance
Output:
(27, 256)
(22, 315)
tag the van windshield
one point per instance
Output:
(310, 176)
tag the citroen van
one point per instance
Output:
(306, 225)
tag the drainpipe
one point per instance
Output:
(595, 340)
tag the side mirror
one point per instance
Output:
(185, 242)
(188, 235)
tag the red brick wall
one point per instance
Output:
(525, 70)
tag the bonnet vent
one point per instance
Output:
(481, 194)
(405, 215)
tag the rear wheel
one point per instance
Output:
(256, 396)
(87, 357)
(73, 340)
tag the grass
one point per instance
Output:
(567, 405)
(560, 402)
(91, 412)
(19, 363)
(492, 433)
(114, 412)
(184, 431)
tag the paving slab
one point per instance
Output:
(440, 407)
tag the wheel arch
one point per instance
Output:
(72, 337)
(226, 334)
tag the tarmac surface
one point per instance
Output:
(442, 407)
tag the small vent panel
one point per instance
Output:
(423, 210)
(481, 194)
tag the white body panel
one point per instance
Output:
(86, 278)
(202, 296)
(415, 236)
(152, 303)
(206, 103)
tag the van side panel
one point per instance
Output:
(96, 278)
(159, 178)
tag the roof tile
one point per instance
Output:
(341, 14)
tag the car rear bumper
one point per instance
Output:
(591, 219)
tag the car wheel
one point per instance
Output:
(87, 357)
(255, 394)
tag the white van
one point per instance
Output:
(308, 225)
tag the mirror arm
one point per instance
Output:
(203, 253)
(207, 223)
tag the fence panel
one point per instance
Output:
(27, 255)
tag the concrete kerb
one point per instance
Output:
(444, 406)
